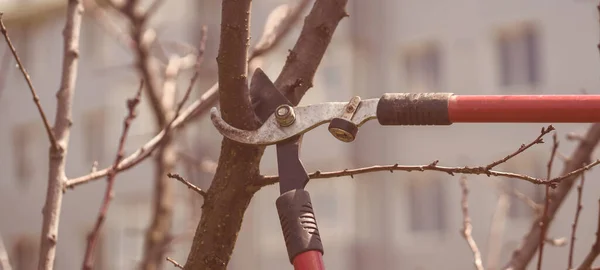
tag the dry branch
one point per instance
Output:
(36, 98)
(497, 230)
(62, 130)
(544, 223)
(595, 250)
(467, 226)
(528, 247)
(576, 220)
(187, 183)
(88, 261)
(175, 263)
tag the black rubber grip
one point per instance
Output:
(413, 109)
(298, 223)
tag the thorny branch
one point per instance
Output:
(467, 226)
(595, 250)
(544, 223)
(36, 98)
(88, 261)
(62, 130)
(188, 184)
(578, 209)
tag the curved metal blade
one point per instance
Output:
(307, 118)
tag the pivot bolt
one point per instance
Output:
(285, 116)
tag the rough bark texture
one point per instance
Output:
(62, 129)
(235, 180)
(523, 255)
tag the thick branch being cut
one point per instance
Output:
(582, 154)
(232, 186)
(62, 130)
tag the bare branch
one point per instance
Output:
(523, 147)
(176, 264)
(4, 261)
(200, 105)
(544, 223)
(88, 261)
(537, 208)
(595, 250)
(62, 130)
(528, 247)
(36, 98)
(188, 184)
(467, 227)
(576, 220)
(267, 180)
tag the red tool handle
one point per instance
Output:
(309, 260)
(525, 109)
(446, 108)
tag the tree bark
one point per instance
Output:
(61, 130)
(235, 180)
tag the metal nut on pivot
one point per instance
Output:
(285, 116)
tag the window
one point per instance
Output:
(518, 53)
(423, 69)
(24, 151)
(94, 126)
(25, 253)
(427, 201)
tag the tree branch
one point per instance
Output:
(595, 250)
(467, 227)
(576, 220)
(88, 261)
(176, 264)
(62, 129)
(544, 223)
(232, 187)
(36, 98)
(188, 184)
(528, 247)
(268, 180)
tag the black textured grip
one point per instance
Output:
(298, 223)
(413, 109)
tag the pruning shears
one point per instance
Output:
(284, 125)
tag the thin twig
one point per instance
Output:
(188, 184)
(494, 246)
(467, 227)
(523, 147)
(536, 207)
(576, 220)
(176, 264)
(595, 250)
(527, 249)
(272, 179)
(62, 131)
(545, 218)
(199, 106)
(36, 98)
(88, 261)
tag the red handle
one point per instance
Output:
(309, 260)
(525, 109)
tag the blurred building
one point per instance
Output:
(374, 221)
